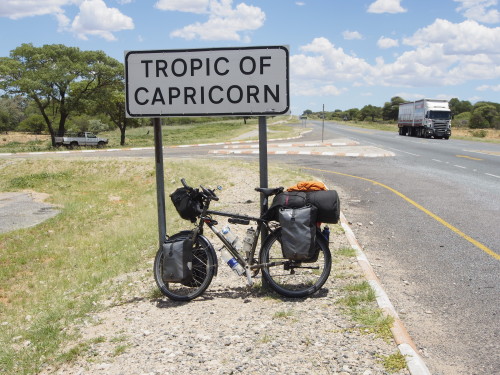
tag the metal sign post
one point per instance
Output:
(160, 184)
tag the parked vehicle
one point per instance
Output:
(425, 118)
(81, 139)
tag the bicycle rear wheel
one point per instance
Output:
(294, 278)
(203, 271)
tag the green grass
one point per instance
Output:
(283, 314)
(346, 252)
(394, 362)
(54, 274)
(360, 303)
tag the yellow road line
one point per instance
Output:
(434, 216)
(467, 157)
(485, 152)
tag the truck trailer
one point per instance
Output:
(425, 118)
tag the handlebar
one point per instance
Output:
(208, 193)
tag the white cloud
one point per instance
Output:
(466, 38)
(443, 54)
(385, 43)
(300, 3)
(191, 6)
(95, 18)
(489, 87)
(478, 10)
(315, 89)
(350, 35)
(224, 23)
(386, 6)
(15, 9)
(327, 64)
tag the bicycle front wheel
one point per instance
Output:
(294, 278)
(203, 272)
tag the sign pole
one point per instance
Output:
(263, 155)
(160, 185)
(263, 166)
(323, 127)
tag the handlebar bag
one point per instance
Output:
(177, 264)
(298, 232)
(187, 204)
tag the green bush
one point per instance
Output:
(479, 133)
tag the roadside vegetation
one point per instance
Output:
(174, 132)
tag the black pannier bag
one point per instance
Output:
(178, 260)
(298, 232)
(328, 204)
(188, 205)
(286, 199)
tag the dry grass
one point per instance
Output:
(22, 137)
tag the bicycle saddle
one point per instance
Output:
(269, 191)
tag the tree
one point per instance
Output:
(457, 107)
(34, 123)
(352, 113)
(391, 109)
(113, 105)
(58, 78)
(484, 115)
(12, 112)
(370, 111)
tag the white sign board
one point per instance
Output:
(246, 81)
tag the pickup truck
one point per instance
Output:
(81, 139)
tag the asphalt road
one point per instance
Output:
(428, 219)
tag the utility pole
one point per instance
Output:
(323, 127)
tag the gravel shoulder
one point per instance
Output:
(230, 329)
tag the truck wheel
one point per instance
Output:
(73, 145)
(100, 144)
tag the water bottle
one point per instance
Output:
(231, 237)
(231, 262)
(248, 242)
(326, 233)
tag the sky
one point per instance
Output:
(343, 53)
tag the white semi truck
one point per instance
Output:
(425, 118)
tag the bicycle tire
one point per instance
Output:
(203, 271)
(293, 278)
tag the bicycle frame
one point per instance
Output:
(262, 225)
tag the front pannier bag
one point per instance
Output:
(298, 232)
(178, 260)
(187, 204)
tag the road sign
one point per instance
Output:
(246, 81)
